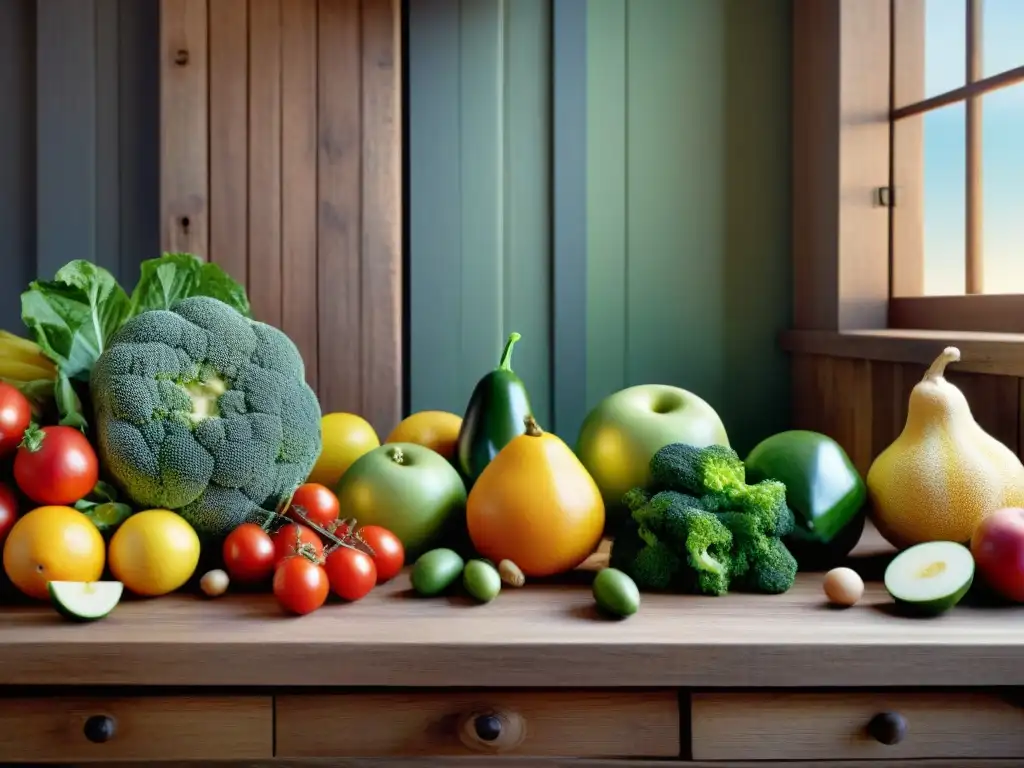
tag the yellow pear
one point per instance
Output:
(944, 473)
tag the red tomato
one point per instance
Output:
(317, 502)
(293, 538)
(249, 554)
(300, 585)
(388, 552)
(351, 573)
(15, 416)
(55, 465)
(8, 510)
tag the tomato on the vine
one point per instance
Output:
(296, 539)
(55, 465)
(249, 554)
(351, 573)
(300, 585)
(317, 502)
(388, 552)
(15, 416)
(8, 510)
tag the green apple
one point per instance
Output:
(623, 431)
(410, 489)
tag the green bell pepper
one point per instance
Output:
(823, 488)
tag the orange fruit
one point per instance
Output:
(346, 437)
(53, 544)
(437, 430)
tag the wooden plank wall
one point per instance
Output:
(863, 403)
(281, 161)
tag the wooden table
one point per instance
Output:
(537, 674)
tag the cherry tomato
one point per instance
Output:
(351, 573)
(300, 585)
(15, 416)
(249, 554)
(388, 552)
(55, 465)
(291, 539)
(317, 502)
(8, 510)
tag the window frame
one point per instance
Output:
(844, 234)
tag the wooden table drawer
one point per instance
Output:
(555, 723)
(58, 729)
(855, 726)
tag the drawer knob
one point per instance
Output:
(888, 728)
(492, 731)
(100, 728)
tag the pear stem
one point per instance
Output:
(532, 428)
(938, 368)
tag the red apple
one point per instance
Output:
(998, 549)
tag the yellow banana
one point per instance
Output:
(16, 351)
(15, 370)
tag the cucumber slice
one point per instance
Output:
(85, 600)
(931, 577)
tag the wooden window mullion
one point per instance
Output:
(973, 247)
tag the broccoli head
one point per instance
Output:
(651, 564)
(712, 469)
(206, 412)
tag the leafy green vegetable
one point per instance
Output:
(177, 276)
(73, 316)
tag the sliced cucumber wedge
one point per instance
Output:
(85, 600)
(930, 578)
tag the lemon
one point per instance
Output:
(346, 437)
(154, 552)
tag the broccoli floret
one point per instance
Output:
(689, 469)
(772, 568)
(765, 502)
(653, 566)
(635, 498)
(203, 411)
(676, 522)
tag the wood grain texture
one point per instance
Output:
(51, 729)
(863, 403)
(229, 137)
(296, 159)
(541, 635)
(184, 149)
(576, 724)
(563, 762)
(818, 726)
(265, 192)
(299, 317)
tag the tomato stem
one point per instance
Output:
(32, 438)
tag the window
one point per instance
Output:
(957, 165)
(908, 176)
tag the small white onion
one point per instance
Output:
(214, 583)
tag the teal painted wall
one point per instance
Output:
(480, 200)
(688, 212)
(688, 177)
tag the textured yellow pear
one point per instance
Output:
(944, 473)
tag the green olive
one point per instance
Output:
(481, 580)
(616, 593)
(435, 571)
